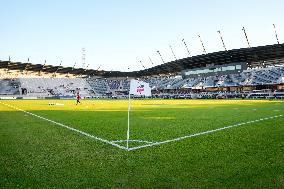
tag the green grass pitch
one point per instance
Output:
(35, 153)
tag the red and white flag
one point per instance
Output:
(139, 88)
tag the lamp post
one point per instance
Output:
(186, 47)
(142, 64)
(161, 56)
(173, 52)
(39, 72)
(83, 57)
(202, 44)
(74, 66)
(222, 40)
(99, 67)
(87, 67)
(54, 74)
(246, 36)
(85, 70)
(151, 61)
(275, 33)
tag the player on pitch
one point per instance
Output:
(78, 98)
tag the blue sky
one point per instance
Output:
(117, 34)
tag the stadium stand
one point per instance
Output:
(99, 87)
(9, 87)
(63, 87)
(230, 74)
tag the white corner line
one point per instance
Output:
(113, 143)
(141, 141)
(201, 133)
(68, 127)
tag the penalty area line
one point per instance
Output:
(202, 133)
(68, 127)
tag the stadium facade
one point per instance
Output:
(256, 72)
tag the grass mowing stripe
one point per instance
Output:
(68, 127)
(202, 133)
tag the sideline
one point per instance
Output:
(68, 127)
(149, 144)
(202, 133)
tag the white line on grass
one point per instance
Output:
(141, 141)
(70, 128)
(113, 143)
(202, 133)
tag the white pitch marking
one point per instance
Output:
(193, 135)
(70, 128)
(142, 141)
(147, 145)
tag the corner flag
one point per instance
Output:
(136, 88)
(139, 88)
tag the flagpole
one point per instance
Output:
(136, 88)
(128, 122)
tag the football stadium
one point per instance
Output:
(210, 120)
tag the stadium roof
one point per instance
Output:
(255, 55)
